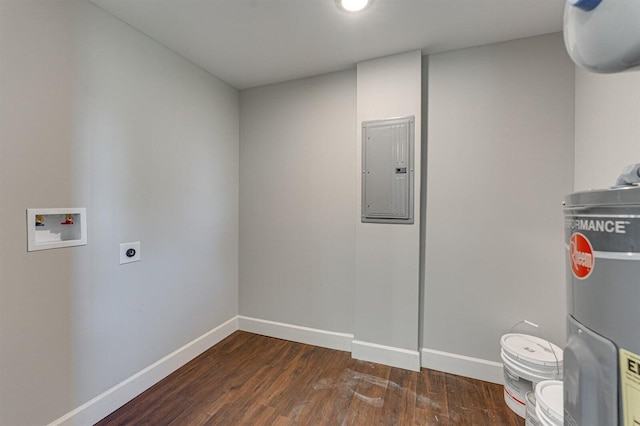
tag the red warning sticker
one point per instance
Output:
(581, 256)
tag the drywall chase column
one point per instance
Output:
(387, 255)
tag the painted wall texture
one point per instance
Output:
(94, 114)
(297, 229)
(607, 126)
(500, 160)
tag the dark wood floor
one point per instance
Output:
(254, 380)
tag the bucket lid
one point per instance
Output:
(549, 397)
(531, 349)
(531, 398)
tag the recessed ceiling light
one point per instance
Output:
(353, 5)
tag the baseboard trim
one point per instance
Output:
(461, 365)
(112, 399)
(296, 333)
(387, 355)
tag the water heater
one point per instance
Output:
(602, 354)
(602, 238)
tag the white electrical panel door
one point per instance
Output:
(387, 170)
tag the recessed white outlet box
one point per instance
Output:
(129, 252)
(56, 228)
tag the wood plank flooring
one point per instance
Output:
(249, 379)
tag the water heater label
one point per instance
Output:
(609, 236)
(630, 386)
(599, 225)
(581, 256)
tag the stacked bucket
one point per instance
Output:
(548, 409)
(532, 378)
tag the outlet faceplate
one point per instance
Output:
(129, 252)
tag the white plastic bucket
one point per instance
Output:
(531, 418)
(550, 403)
(527, 360)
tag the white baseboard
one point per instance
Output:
(462, 365)
(295, 333)
(387, 355)
(112, 399)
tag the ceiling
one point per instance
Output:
(250, 43)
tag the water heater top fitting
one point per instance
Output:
(630, 175)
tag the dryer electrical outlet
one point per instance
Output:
(129, 252)
(387, 170)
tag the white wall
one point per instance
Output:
(94, 114)
(607, 126)
(387, 255)
(297, 230)
(500, 160)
